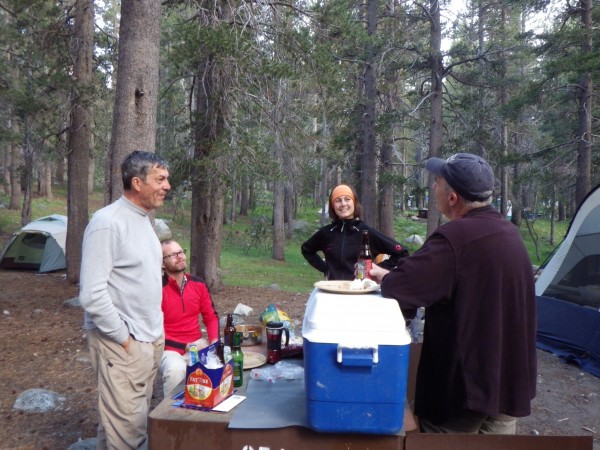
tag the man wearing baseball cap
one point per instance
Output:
(478, 367)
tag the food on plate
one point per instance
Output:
(358, 284)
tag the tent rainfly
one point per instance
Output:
(568, 291)
(39, 245)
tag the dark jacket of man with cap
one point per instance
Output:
(474, 276)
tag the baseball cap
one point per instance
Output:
(469, 175)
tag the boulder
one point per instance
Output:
(162, 230)
(38, 401)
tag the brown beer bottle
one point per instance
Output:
(219, 347)
(365, 259)
(228, 332)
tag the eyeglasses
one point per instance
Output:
(175, 254)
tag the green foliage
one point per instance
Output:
(294, 73)
(250, 265)
(10, 220)
(538, 245)
(258, 235)
(292, 275)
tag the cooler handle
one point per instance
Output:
(359, 357)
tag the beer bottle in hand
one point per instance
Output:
(365, 259)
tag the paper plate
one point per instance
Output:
(343, 287)
(253, 359)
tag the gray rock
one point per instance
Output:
(275, 287)
(300, 224)
(415, 239)
(86, 444)
(72, 303)
(38, 401)
(162, 230)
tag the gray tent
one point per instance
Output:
(39, 245)
(568, 291)
(573, 272)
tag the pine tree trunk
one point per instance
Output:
(136, 93)
(15, 178)
(208, 207)
(208, 185)
(47, 180)
(27, 176)
(79, 137)
(277, 252)
(435, 121)
(245, 195)
(584, 103)
(368, 176)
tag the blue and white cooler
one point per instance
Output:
(356, 350)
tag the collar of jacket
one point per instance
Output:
(166, 279)
(341, 224)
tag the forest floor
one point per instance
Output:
(43, 345)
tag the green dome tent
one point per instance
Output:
(39, 245)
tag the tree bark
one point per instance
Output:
(324, 193)
(27, 176)
(13, 148)
(245, 195)
(208, 206)
(79, 137)
(504, 124)
(212, 90)
(517, 208)
(279, 104)
(368, 176)
(435, 118)
(234, 197)
(46, 182)
(6, 164)
(59, 171)
(386, 169)
(584, 101)
(290, 210)
(134, 116)
(277, 252)
(15, 177)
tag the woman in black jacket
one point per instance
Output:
(340, 241)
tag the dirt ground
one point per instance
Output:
(43, 345)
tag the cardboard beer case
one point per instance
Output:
(356, 353)
(206, 387)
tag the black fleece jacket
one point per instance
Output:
(340, 243)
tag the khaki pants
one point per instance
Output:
(472, 422)
(173, 367)
(124, 389)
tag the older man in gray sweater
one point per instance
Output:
(120, 292)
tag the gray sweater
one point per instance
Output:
(120, 281)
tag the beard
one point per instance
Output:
(175, 268)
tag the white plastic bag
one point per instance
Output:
(282, 370)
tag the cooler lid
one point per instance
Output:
(369, 318)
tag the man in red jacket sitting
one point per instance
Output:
(185, 298)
